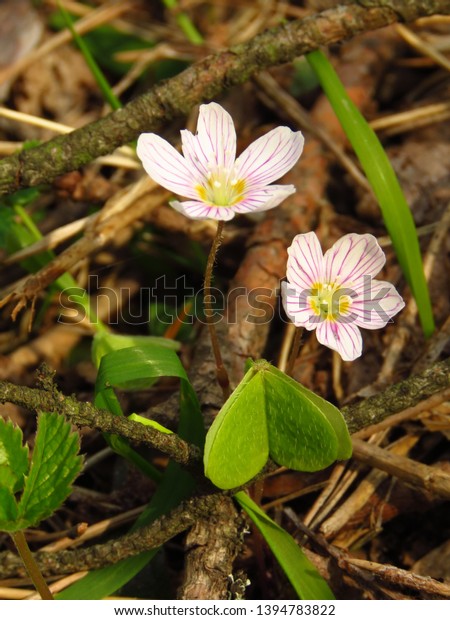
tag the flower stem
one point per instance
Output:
(31, 566)
(294, 350)
(221, 373)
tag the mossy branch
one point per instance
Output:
(396, 398)
(204, 81)
(86, 414)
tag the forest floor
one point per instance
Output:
(365, 517)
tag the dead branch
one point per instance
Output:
(204, 81)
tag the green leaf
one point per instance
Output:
(133, 366)
(270, 414)
(13, 457)
(54, 466)
(8, 510)
(147, 422)
(104, 343)
(303, 575)
(306, 407)
(237, 445)
(381, 176)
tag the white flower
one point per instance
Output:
(217, 184)
(335, 293)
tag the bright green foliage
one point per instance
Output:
(54, 466)
(303, 575)
(8, 510)
(104, 343)
(306, 432)
(237, 445)
(147, 422)
(47, 482)
(270, 414)
(13, 457)
(134, 368)
(381, 176)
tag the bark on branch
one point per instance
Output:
(204, 81)
(400, 396)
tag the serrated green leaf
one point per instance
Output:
(237, 445)
(54, 466)
(304, 401)
(303, 575)
(8, 511)
(13, 457)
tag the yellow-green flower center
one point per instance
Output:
(329, 300)
(221, 188)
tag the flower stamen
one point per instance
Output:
(221, 188)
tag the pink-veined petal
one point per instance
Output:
(197, 210)
(305, 262)
(375, 304)
(345, 338)
(270, 157)
(164, 164)
(215, 142)
(352, 257)
(263, 199)
(297, 308)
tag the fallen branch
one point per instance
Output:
(204, 81)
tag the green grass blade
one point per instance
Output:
(396, 213)
(303, 575)
(184, 22)
(99, 77)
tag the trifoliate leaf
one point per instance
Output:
(13, 457)
(54, 466)
(270, 414)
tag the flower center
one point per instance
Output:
(221, 188)
(330, 301)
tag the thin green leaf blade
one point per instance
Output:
(396, 213)
(303, 575)
(54, 466)
(136, 367)
(104, 343)
(97, 73)
(236, 446)
(13, 457)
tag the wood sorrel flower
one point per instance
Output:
(335, 293)
(217, 184)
